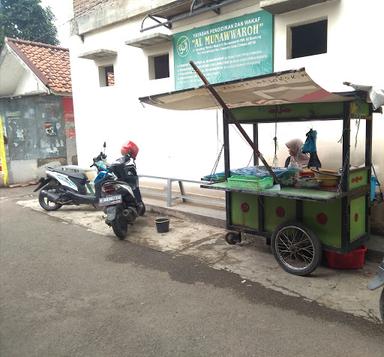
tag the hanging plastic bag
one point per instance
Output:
(310, 147)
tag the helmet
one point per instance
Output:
(129, 148)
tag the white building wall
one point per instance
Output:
(29, 84)
(185, 143)
(353, 55)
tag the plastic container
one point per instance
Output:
(250, 182)
(328, 181)
(288, 177)
(327, 178)
(304, 182)
(162, 224)
(354, 259)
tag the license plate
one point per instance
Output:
(110, 200)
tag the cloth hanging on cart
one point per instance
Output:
(309, 147)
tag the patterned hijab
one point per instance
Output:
(295, 146)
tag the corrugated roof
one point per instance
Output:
(49, 63)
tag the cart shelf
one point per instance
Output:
(286, 192)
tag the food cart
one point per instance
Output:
(299, 222)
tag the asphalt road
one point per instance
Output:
(66, 291)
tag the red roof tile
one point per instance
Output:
(49, 63)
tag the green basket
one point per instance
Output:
(249, 182)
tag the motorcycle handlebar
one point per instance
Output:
(102, 156)
(99, 157)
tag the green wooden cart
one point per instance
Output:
(299, 223)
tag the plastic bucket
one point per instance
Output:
(354, 259)
(162, 224)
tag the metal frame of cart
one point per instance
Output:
(299, 223)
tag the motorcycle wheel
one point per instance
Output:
(120, 226)
(45, 203)
(381, 306)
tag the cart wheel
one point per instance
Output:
(296, 248)
(233, 238)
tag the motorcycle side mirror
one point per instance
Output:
(104, 145)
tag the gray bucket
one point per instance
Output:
(162, 224)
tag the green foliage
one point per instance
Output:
(27, 20)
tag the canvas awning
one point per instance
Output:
(288, 87)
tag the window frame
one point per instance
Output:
(103, 75)
(290, 40)
(152, 65)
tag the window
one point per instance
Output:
(106, 76)
(307, 40)
(158, 66)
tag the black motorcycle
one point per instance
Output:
(116, 188)
(122, 198)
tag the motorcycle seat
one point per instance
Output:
(75, 175)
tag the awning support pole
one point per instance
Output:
(233, 119)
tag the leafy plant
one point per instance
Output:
(27, 20)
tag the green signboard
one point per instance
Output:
(237, 48)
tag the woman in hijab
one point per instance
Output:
(296, 157)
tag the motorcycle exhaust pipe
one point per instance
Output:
(53, 197)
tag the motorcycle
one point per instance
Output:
(116, 189)
(377, 282)
(69, 185)
(121, 198)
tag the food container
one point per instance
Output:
(306, 173)
(327, 178)
(249, 182)
(288, 177)
(305, 182)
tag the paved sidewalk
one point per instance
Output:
(199, 232)
(216, 217)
